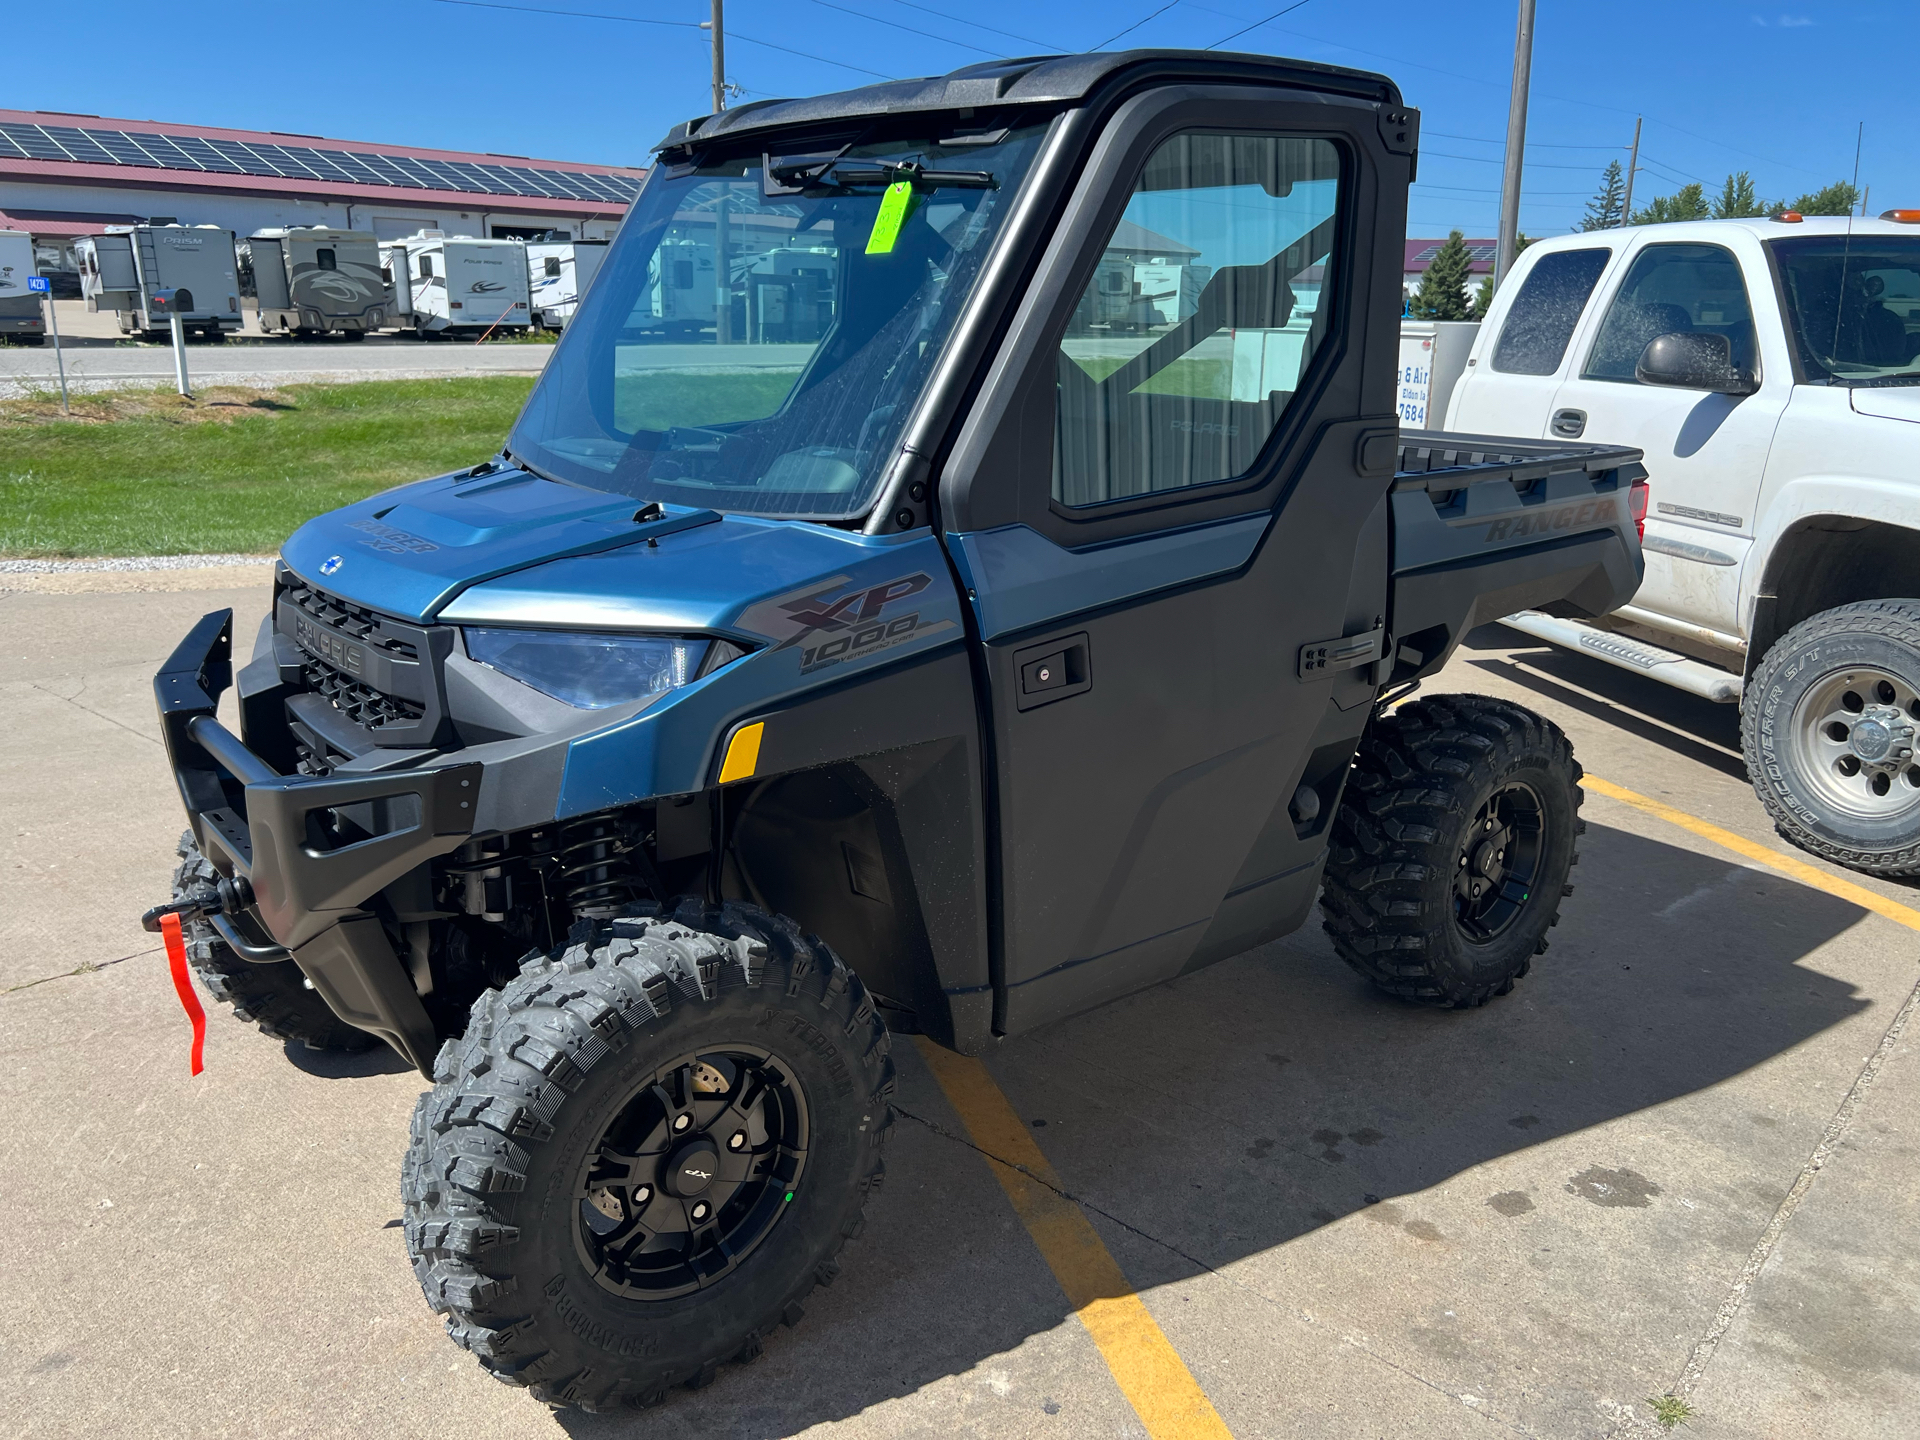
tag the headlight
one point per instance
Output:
(589, 670)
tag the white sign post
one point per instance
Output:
(40, 285)
(171, 301)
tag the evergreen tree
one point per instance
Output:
(1483, 299)
(1443, 288)
(1604, 210)
(1737, 200)
(1839, 198)
(1689, 202)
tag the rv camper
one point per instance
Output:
(558, 273)
(21, 322)
(316, 281)
(127, 267)
(454, 283)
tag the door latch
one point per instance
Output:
(1051, 671)
(1325, 657)
(1569, 424)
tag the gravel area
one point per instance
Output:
(129, 562)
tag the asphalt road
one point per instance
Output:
(1679, 1157)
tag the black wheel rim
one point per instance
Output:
(1498, 863)
(692, 1173)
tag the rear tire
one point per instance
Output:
(1452, 848)
(1803, 726)
(550, 1215)
(274, 997)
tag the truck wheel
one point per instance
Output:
(1452, 847)
(646, 1151)
(274, 997)
(1829, 723)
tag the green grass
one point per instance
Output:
(1670, 1410)
(234, 472)
(655, 399)
(1204, 379)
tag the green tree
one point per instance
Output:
(1689, 202)
(1483, 297)
(1609, 201)
(1737, 200)
(1839, 198)
(1443, 288)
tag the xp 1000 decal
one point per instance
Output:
(834, 622)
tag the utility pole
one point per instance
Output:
(1633, 164)
(718, 26)
(1516, 145)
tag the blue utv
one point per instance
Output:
(960, 566)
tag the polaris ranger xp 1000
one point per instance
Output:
(954, 570)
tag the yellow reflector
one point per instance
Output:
(743, 753)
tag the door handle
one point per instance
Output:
(1052, 671)
(1569, 424)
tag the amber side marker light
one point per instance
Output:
(1789, 217)
(1905, 217)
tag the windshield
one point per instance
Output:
(1854, 305)
(754, 351)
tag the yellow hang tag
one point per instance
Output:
(896, 204)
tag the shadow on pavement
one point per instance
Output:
(1237, 1109)
(345, 1065)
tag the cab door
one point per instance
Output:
(1173, 484)
(1705, 452)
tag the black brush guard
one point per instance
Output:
(278, 833)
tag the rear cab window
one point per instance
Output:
(1541, 320)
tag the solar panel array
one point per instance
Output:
(304, 162)
(1474, 253)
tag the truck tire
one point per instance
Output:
(274, 997)
(1829, 723)
(563, 1186)
(1452, 847)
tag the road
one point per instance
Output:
(1679, 1156)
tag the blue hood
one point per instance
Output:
(407, 552)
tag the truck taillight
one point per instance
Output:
(1637, 505)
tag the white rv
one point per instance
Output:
(125, 269)
(456, 284)
(21, 322)
(316, 281)
(558, 273)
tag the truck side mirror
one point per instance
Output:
(1692, 361)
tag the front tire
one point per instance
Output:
(1452, 848)
(274, 997)
(1829, 725)
(646, 1151)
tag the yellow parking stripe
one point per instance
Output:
(1786, 864)
(1149, 1371)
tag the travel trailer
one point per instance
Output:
(21, 322)
(316, 281)
(129, 267)
(443, 284)
(558, 273)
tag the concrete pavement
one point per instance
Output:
(1681, 1153)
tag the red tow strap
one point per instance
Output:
(183, 985)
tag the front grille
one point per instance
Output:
(359, 702)
(356, 622)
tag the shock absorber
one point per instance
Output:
(604, 867)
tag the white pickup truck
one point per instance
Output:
(1770, 371)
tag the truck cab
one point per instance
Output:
(1770, 372)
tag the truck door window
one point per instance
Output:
(1673, 289)
(1208, 303)
(1541, 319)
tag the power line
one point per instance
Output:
(1531, 144)
(1137, 24)
(978, 25)
(1483, 160)
(1257, 24)
(675, 24)
(928, 34)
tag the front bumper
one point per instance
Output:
(315, 850)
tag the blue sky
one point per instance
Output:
(1724, 86)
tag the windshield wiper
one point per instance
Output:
(847, 177)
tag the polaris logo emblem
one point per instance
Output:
(332, 564)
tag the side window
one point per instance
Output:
(1688, 289)
(426, 265)
(552, 267)
(1208, 303)
(323, 257)
(1540, 322)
